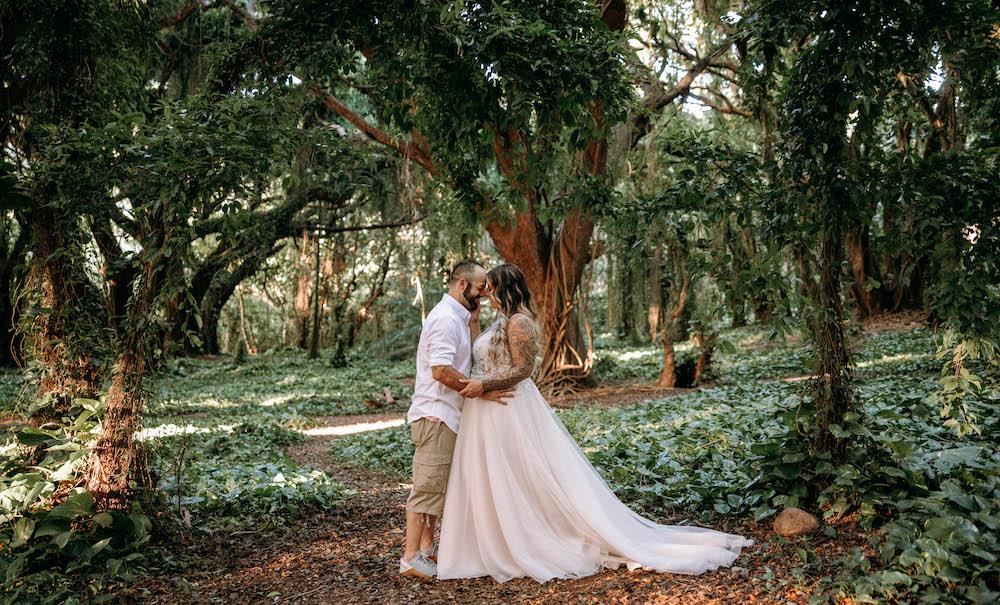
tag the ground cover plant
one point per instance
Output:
(929, 497)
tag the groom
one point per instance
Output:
(444, 358)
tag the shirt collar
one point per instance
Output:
(457, 307)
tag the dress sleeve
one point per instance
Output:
(523, 348)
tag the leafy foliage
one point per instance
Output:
(53, 543)
(281, 381)
(733, 450)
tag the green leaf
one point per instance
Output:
(77, 504)
(63, 539)
(23, 529)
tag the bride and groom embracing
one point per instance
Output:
(522, 498)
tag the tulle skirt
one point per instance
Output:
(524, 500)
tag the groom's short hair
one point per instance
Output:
(464, 269)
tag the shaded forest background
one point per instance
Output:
(193, 178)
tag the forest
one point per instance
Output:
(763, 238)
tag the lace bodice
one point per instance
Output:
(485, 364)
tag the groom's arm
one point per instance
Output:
(448, 376)
(453, 379)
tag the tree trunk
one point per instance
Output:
(668, 333)
(707, 346)
(314, 342)
(117, 467)
(118, 458)
(862, 269)
(67, 336)
(245, 332)
(553, 273)
(655, 293)
(833, 395)
(301, 301)
(11, 278)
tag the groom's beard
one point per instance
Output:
(473, 301)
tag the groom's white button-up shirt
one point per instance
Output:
(444, 341)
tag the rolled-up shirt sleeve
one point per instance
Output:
(442, 342)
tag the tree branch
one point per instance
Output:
(409, 150)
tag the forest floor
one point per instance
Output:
(294, 481)
(350, 556)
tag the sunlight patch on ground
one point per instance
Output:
(794, 378)
(350, 429)
(168, 430)
(892, 358)
(632, 355)
(273, 401)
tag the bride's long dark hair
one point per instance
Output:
(511, 291)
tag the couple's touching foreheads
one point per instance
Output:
(514, 494)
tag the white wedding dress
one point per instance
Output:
(524, 500)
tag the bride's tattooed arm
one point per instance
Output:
(523, 348)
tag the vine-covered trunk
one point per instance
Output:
(10, 307)
(117, 467)
(833, 395)
(67, 336)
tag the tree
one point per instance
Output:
(840, 62)
(537, 85)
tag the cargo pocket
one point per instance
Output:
(430, 476)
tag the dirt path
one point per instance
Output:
(350, 555)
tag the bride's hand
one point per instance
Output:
(473, 388)
(500, 397)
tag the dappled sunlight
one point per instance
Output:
(631, 355)
(172, 430)
(886, 359)
(350, 429)
(794, 378)
(277, 400)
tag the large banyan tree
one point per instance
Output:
(507, 103)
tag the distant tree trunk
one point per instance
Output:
(314, 342)
(626, 287)
(669, 329)
(862, 269)
(612, 313)
(377, 290)
(301, 301)
(245, 332)
(655, 293)
(707, 345)
(223, 285)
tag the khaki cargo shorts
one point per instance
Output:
(434, 444)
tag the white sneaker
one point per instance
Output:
(418, 567)
(430, 554)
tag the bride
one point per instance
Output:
(522, 499)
